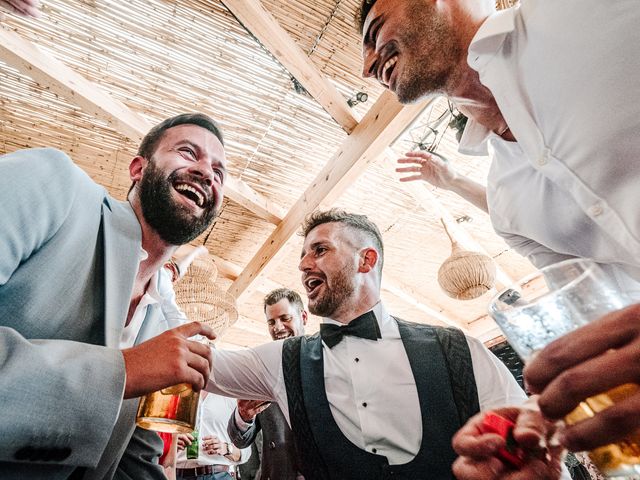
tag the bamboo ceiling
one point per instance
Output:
(235, 60)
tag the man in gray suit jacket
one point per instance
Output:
(286, 317)
(82, 289)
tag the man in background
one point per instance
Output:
(286, 317)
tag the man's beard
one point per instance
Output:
(174, 223)
(333, 298)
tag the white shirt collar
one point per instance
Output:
(484, 45)
(489, 37)
(388, 326)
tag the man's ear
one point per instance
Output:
(136, 168)
(368, 260)
(304, 317)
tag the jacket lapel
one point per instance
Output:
(122, 240)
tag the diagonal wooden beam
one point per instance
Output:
(383, 123)
(255, 18)
(60, 79)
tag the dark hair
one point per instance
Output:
(362, 12)
(150, 141)
(279, 293)
(352, 220)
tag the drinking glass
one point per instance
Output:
(173, 409)
(556, 300)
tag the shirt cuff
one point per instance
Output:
(240, 423)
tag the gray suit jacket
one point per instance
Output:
(68, 258)
(278, 457)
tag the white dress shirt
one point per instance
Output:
(565, 76)
(213, 417)
(359, 371)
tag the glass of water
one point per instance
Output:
(556, 300)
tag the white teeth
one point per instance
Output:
(184, 187)
(387, 67)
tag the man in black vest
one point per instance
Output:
(370, 396)
(286, 317)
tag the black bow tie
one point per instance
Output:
(365, 326)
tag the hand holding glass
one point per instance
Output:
(555, 301)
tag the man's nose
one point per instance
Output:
(204, 171)
(305, 264)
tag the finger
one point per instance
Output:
(199, 371)
(600, 374)
(531, 430)
(465, 468)
(408, 169)
(611, 331)
(470, 441)
(418, 154)
(412, 161)
(608, 426)
(195, 328)
(24, 9)
(411, 178)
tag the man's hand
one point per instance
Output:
(591, 360)
(184, 440)
(479, 458)
(24, 8)
(168, 359)
(212, 445)
(428, 167)
(248, 409)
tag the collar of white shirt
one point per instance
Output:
(388, 326)
(482, 50)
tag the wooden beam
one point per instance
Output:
(255, 18)
(383, 123)
(61, 80)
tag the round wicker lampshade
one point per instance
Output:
(466, 275)
(200, 299)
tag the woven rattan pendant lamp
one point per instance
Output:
(201, 300)
(466, 275)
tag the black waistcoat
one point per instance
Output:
(441, 365)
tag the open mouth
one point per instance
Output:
(387, 70)
(283, 335)
(312, 285)
(191, 193)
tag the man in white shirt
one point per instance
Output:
(386, 403)
(82, 288)
(557, 105)
(217, 456)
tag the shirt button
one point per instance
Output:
(595, 210)
(364, 404)
(356, 359)
(272, 445)
(544, 158)
(373, 450)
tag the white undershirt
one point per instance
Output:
(150, 297)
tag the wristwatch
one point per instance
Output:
(229, 449)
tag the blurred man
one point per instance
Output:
(217, 457)
(509, 72)
(81, 289)
(286, 317)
